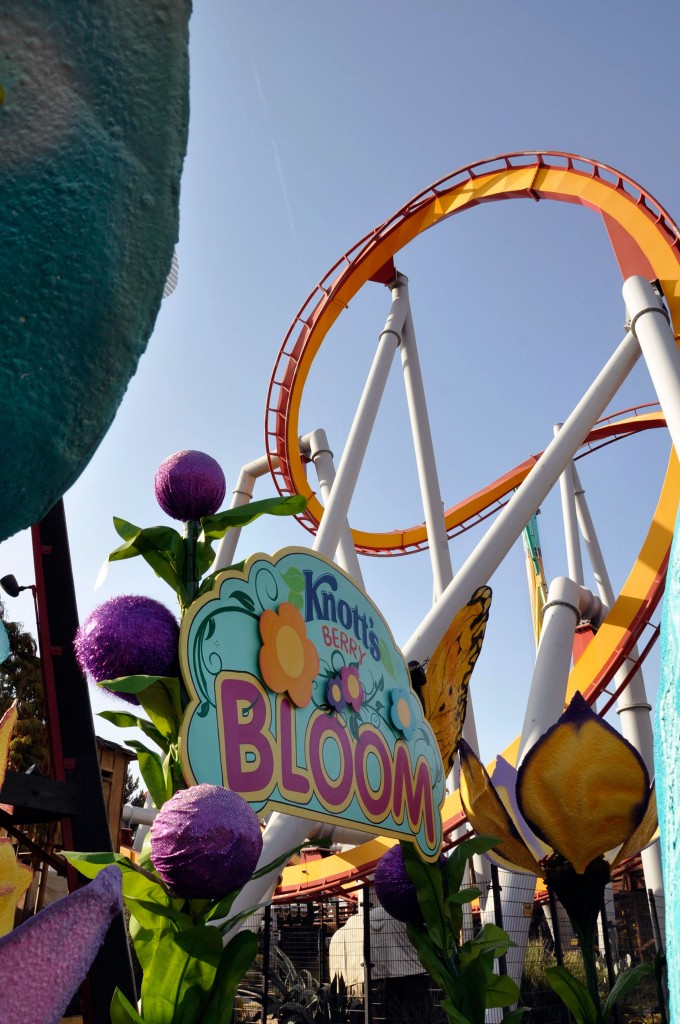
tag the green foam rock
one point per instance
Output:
(93, 128)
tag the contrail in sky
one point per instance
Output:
(279, 169)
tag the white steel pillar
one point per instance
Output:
(438, 542)
(241, 495)
(433, 509)
(649, 322)
(337, 510)
(317, 447)
(571, 537)
(567, 604)
(285, 831)
(502, 534)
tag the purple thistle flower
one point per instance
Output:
(126, 636)
(205, 842)
(44, 960)
(394, 889)
(189, 485)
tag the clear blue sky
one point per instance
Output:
(311, 123)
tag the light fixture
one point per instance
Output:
(11, 587)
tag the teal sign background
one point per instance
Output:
(345, 738)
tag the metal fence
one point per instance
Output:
(345, 961)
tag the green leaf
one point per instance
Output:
(456, 862)
(163, 704)
(122, 1011)
(230, 923)
(283, 859)
(119, 718)
(183, 969)
(125, 721)
(625, 983)
(220, 909)
(151, 769)
(573, 994)
(160, 546)
(454, 1014)
(137, 882)
(236, 958)
(209, 581)
(215, 527)
(427, 879)
(473, 982)
(489, 939)
(501, 990)
(429, 956)
(464, 895)
(153, 915)
(134, 684)
(145, 941)
(152, 733)
(386, 658)
(515, 1016)
(294, 579)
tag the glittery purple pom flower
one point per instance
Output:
(189, 485)
(394, 889)
(126, 636)
(205, 842)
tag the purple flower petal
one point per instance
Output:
(44, 960)
(189, 485)
(205, 842)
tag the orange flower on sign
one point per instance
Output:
(288, 658)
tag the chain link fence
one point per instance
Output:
(346, 961)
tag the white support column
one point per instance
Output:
(500, 537)
(241, 495)
(592, 543)
(438, 542)
(284, 831)
(574, 559)
(567, 604)
(350, 464)
(317, 447)
(649, 322)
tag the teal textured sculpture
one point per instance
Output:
(93, 128)
(667, 767)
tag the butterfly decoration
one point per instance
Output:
(447, 679)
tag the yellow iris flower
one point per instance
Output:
(582, 789)
(15, 877)
(7, 723)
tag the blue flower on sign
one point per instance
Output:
(405, 712)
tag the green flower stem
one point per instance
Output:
(586, 940)
(191, 531)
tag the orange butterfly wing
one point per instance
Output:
(448, 673)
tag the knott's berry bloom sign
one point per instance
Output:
(301, 701)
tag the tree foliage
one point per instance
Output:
(21, 679)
